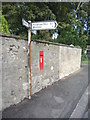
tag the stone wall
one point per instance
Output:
(50, 73)
(14, 71)
(0, 76)
(59, 61)
(69, 60)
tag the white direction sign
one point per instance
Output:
(44, 25)
(25, 23)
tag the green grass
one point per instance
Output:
(86, 62)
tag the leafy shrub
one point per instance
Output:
(84, 57)
(3, 24)
(0, 21)
(72, 37)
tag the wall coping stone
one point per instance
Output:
(36, 40)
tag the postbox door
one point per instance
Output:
(41, 60)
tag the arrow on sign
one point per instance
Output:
(25, 23)
(44, 25)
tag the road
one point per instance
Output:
(55, 101)
(87, 112)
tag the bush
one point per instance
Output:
(3, 24)
(68, 37)
(72, 37)
(84, 57)
(0, 21)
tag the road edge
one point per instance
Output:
(81, 106)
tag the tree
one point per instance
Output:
(14, 12)
(72, 23)
(70, 16)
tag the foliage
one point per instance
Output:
(28, 11)
(68, 37)
(84, 57)
(72, 17)
(3, 24)
(0, 21)
(43, 35)
(71, 37)
(83, 42)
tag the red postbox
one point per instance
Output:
(41, 60)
